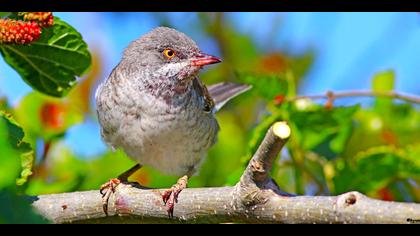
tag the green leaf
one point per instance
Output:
(404, 122)
(15, 138)
(383, 82)
(50, 64)
(68, 172)
(258, 134)
(315, 167)
(218, 166)
(234, 177)
(323, 131)
(300, 65)
(266, 86)
(63, 167)
(399, 125)
(27, 160)
(17, 209)
(9, 160)
(4, 14)
(377, 168)
(53, 116)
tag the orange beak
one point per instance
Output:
(204, 59)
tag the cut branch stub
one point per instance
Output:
(262, 161)
(255, 182)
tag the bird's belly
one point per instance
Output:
(174, 144)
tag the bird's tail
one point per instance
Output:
(223, 92)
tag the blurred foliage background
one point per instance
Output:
(50, 141)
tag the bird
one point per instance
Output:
(155, 108)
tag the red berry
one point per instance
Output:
(386, 194)
(329, 104)
(279, 99)
(18, 32)
(44, 19)
(52, 115)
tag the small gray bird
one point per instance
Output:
(155, 108)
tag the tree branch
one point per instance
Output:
(360, 93)
(255, 199)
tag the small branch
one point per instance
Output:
(360, 93)
(255, 199)
(255, 181)
(39, 169)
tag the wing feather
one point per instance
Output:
(223, 92)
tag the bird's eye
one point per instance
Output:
(169, 53)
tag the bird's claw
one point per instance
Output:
(170, 196)
(166, 195)
(106, 190)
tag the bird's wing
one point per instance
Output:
(223, 92)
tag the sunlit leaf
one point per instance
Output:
(27, 159)
(15, 137)
(99, 172)
(400, 128)
(301, 64)
(235, 176)
(265, 86)
(383, 82)
(63, 167)
(273, 63)
(51, 63)
(258, 133)
(279, 63)
(225, 156)
(324, 131)
(46, 117)
(376, 168)
(9, 161)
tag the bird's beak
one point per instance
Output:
(203, 59)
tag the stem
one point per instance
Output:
(360, 93)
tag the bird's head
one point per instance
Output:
(168, 55)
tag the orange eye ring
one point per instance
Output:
(169, 53)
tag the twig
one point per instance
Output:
(40, 168)
(255, 199)
(360, 93)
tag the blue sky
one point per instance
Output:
(350, 48)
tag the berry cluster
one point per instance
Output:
(44, 19)
(18, 32)
(26, 31)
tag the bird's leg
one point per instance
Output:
(109, 187)
(170, 196)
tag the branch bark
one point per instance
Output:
(360, 93)
(255, 199)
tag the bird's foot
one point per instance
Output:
(170, 196)
(106, 190)
(109, 187)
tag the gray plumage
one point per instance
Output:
(156, 109)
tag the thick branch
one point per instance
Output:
(255, 199)
(215, 205)
(360, 93)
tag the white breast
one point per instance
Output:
(174, 143)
